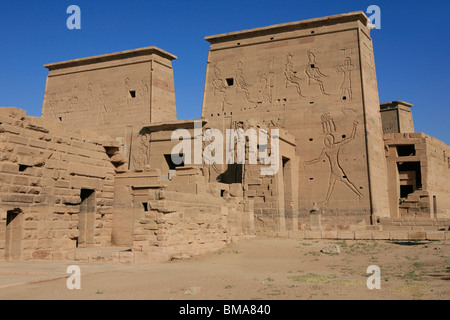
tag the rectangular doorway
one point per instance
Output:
(435, 208)
(13, 245)
(86, 219)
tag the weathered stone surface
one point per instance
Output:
(331, 249)
(98, 168)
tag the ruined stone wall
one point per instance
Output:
(43, 171)
(275, 196)
(181, 223)
(186, 215)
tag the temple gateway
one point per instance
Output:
(96, 172)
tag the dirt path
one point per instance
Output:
(269, 269)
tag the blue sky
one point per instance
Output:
(412, 49)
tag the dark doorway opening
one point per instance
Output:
(406, 150)
(405, 167)
(86, 223)
(13, 245)
(405, 191)
(172, 165)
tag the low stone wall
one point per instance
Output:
(334, 222)
(364, 235)
(187, 216)
(415, 224)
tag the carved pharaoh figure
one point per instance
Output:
(267, 80)
(331, 152)
(314, 74)
(291, 76)
(220, 86)
(346, 85)
(208, 156)
(241, 83)
(141, 159)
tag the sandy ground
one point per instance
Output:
(263, 269)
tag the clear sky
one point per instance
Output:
(412, 49)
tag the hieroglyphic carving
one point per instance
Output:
(141, 158)
(328, 125)
(267, 80)
(96, 101)
(220, 86)
(291, 75)
(74, 98)
(208, 157)
(329, 121)
(50, 103)
(241, 83)
(331, 152)
(314, 74)
(346, 85)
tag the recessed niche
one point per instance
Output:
(133, 94)
(230, 82)
(406, 150)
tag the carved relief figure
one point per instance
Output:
(220, 86)
(291, 75)
(314, 74)
(267, 80)
(51, 101)
(346, 85)
(208, 157)
(74, 98)
(331, 152)
(241, 83)
(96, 101)
(141, 159)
